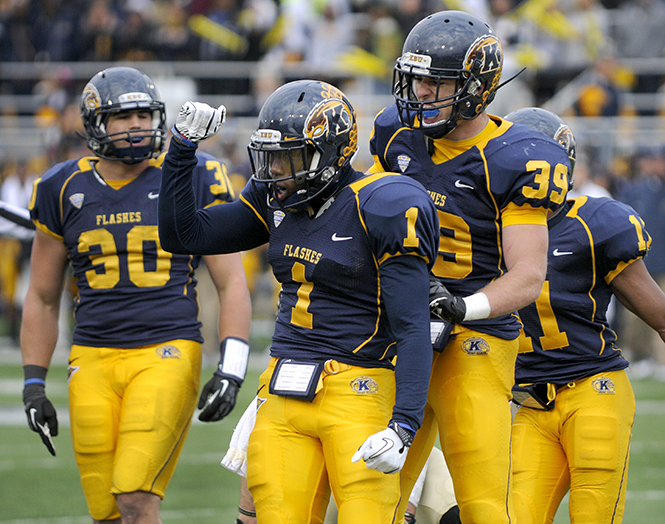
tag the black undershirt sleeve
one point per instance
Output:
(224, 228)
(405, 290)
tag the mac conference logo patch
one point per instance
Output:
(475, 346)
(77, 200)
(403, 162)
(364, 386)
(277, 217)
(603, 385)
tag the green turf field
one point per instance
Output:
(36, 488)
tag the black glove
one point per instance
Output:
(218, 398)
(443, 304)
(41, 413)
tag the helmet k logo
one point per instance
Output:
(90, 97)
(484, 56)
(328, 116)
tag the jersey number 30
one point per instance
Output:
(109, 260)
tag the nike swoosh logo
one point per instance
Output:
(459, 183)
(558, 253)
(44, 430)
(387, 444)
(211, 399)
(335, 238)
(152, 195)
(43, 427)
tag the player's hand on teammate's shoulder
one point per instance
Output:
(197, 121)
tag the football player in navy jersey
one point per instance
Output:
(135, 362)
(352, 254)
(573, 430)
(492, 184)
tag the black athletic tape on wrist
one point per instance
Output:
(245, 512)
(33, 374)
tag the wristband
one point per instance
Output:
(246, 512)
(33, 374)
(234, 355)
(182, 138)
(477, 307)
(404, 432)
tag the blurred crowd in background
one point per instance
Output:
(584, 59)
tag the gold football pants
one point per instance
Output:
(469, 404)
(130, 410)
(300, 450)
(582, 445)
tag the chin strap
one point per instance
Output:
(511, 78)
(441, 131)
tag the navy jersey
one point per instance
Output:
(372, 246)
(514, 168)
(131, 292)
(566, 334)
(330, 302)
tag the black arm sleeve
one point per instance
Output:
(224, 228)
(405, 289)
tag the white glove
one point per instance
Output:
(197, 121)
(386, 450)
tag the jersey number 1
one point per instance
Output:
(300, 316)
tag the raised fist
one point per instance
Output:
(197, 121)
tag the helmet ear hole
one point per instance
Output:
(475, 87)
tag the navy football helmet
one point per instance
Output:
(551, 125)
(312, 125)
(451, 45)
(114, 90)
